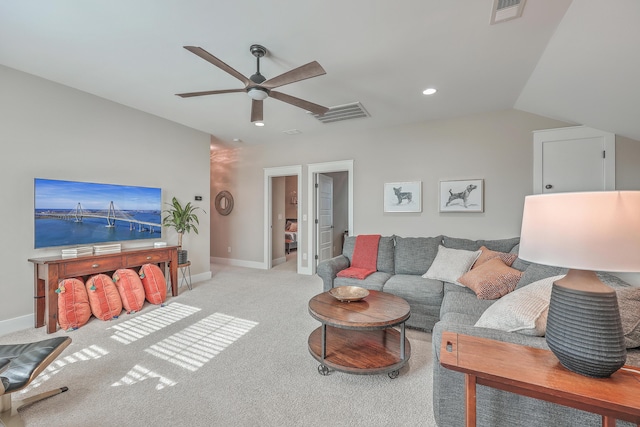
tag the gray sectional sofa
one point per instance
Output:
(440, 306)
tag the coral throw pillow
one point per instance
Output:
(487, 254)
(73, 304)
(130, 289)
(104, 298)
(155, 286)
(491, 280)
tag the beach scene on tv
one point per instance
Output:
(69, 213)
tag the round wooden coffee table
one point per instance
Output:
(359, 337)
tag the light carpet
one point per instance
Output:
(231, 352)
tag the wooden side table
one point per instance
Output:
(537, 373)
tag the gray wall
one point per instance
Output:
(495, 146)
(51, 131)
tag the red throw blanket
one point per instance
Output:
(365, 257)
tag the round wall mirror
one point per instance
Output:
(224, 203)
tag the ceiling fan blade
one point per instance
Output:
(312, 69)
(208, 92)
(218, 63)
(309, 106)
(256, 110)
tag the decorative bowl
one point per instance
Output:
(348, 293)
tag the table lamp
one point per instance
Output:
(584, 232)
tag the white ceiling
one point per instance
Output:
(575, 61)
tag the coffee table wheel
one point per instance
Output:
(394, 374)
(323, 370)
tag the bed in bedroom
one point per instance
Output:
(291, 234)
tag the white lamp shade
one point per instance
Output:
(597, 231)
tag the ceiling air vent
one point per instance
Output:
(342, 112)
(504, 10)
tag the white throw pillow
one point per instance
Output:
(450, 264)
(523, 311)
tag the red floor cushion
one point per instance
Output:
(154, 283)
(73, 304)
(104, 298)
(130, 289)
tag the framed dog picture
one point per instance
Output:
(403, 196)
(462, 195)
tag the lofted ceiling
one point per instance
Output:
(570, 60)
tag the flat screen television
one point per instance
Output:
(69, 213)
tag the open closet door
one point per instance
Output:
(324, 217)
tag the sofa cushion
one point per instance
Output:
(385, 252)
(416, 288)
(373, 282)
(523, 311)
(464, 303)
(450, 264)
(459, 318)
(414, 255)
(519, 263)
(501, 245)
(535, 272)
(629, 304)
(491, 280)
(452, 287)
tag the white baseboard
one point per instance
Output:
(237, 263)
(200, 277)
(16, 324)
(278, 261)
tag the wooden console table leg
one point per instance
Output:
(38, 298)
(608, 421)
(51, 299)
(470, 403)
(173, 272)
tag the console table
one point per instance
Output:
(50, 270)
(537, 373)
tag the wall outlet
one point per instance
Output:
(229, 249)
(304, 256)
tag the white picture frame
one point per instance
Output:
(403, 196)
(462, 195)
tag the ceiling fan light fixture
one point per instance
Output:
(257, 93)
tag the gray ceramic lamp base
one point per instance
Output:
(584, 331)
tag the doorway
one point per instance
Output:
(313, 247)
(280, 206)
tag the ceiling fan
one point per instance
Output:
(258, 87)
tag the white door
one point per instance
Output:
(573, 159)
(324, 217)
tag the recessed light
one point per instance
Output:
(429, 91)
(259, 123)
(237, 140)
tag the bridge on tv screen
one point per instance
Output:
(111, 215)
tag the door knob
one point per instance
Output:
(548, 186)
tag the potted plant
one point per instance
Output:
(183, 219)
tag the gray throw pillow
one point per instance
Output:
(451, 264)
